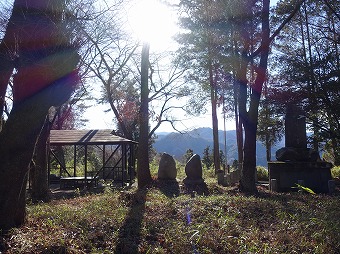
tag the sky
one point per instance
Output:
(100, 120)
(164, 26)
(160, 38)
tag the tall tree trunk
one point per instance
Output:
(236, 91)
(45, 77)
(312, 83)
(268, 148)
(213, 95)
(39, 172)
(143, 167)
(239, 139)
(238, 125)
(17, 144)
(336, 151)
(335, 143)
(335, 138)
(16, 149)
(248, 119)
(247, 182)
(242, 107)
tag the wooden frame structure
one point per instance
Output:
(118, 162)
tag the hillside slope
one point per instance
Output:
(176, 144)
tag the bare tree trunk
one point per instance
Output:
(248, 118)
(16, 149)
(17, 144)
(311, 80)
(143, 167)
(45, 77)
(213, 95)
(40, 172)
(238, 123)
(247, 182)
(268, 149)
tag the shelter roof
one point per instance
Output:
(86, 137)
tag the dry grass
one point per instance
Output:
(171, 219)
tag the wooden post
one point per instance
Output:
(74, 160)
(273, 185)
(85, 166)
(104, 162)
(48, 163)
(124, 168)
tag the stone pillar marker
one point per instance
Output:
(295, 127)
(194, 171)
(297, 164)
(167, 168)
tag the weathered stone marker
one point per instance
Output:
(295, 128)
(228, 179)
(193, 170)
(167, 168)
(297, 164)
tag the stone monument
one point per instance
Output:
(193, 170)
(297, 164)
(167, 168)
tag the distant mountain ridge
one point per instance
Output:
(176, 144)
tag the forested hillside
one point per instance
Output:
(176, 144)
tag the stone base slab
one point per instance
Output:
(285, 175)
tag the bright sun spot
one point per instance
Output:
(153, 22)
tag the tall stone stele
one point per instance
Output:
(296, 163)
(193, 170)
(167, 168)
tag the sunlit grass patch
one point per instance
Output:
(151, 221)
(335, 172)
(80, 223)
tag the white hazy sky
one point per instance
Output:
(100, 120)
(165, 28)
(164, 23)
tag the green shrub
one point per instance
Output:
(335, 172)
(154, 166)
(180, 170)
(262, 173)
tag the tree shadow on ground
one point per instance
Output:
(129, 236)
(172, 188)
(169, 188)
(69, 193)
(55, 249)
(200, 189)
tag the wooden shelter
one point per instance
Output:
(117, 162)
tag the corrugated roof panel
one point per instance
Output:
(72, 137)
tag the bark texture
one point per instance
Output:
(143, 168)
(45, 77)
(247, 182)
(39, 170)
(249, 117)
